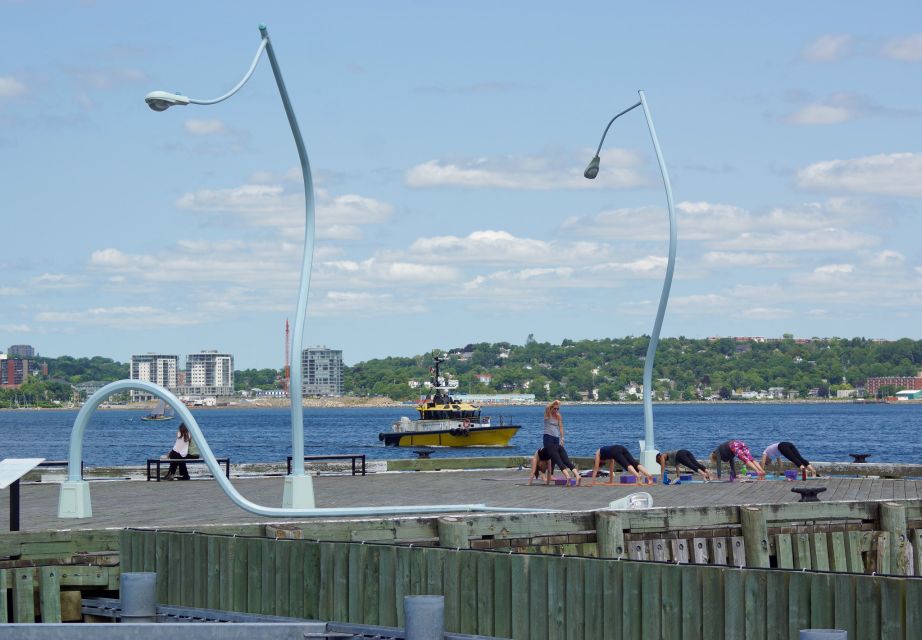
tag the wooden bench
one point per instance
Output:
(162, 461)
(343, 456)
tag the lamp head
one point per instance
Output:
(163, 100)
(591, 171)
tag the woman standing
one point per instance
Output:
(180, 450)
(553, 442)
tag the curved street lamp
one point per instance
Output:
(299, 489)
(648, 454)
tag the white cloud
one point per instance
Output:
(273, 205)
(885, 259)
(204, 127)
(121, 317)
(501, 247)
(840, 107)
(346, 303)
(832, 269)
(746, 259)
(376, 272)
(707, 221)
(700, 302)
(908, 49)
(57, 281)
(766, 313)
(10, 87)
(620, 168)
(828, 48)
(16, 328)
(10, 291)
(820, 240)
(894, 174)
(820, 114)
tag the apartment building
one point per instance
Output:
(209, 373)
(322, 372)
(21, 351)
(14, 371)
(154, 367)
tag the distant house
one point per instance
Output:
(413, 383)
(484, 378)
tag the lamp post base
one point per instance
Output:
(298, 493)
(74, 501)
(648, 460)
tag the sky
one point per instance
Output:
(447, 143)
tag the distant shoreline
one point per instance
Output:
(383, 403)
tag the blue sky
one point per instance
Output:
(447, 142)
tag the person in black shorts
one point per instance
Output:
(682, 457)
(540, 463)
(620, 454)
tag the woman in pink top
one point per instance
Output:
(180, 450)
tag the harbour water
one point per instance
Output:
(822, 431)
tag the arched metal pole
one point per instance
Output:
(648, 455)
(648, 452)
(299, 490)
(74, 499)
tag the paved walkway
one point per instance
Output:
(123, 503)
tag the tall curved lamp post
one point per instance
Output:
(648, 455)
(299, 489)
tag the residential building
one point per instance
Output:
(323, 372)
(21, 351)
(208, 374)
(913, 383)
(14, 371)
(910, 394)
(154, 367)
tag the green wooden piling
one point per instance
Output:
(691, 626)
(538, 598)
(798, 603)
(755, 536)
(282, 573)
(358, 558)
(712, 597)
(23, 596)
(556, 597)
(883, 553)
(868, 592)
(239, 574)
(401, 581)
(822, 601)
(672, 605)
(610, 534)
(593, 599)
(4, 613)
(451, 588)
(454, 533)
(802, 555)
(735, 604)
(50, 590)
(784, 551)
(254, 575)
(519, 596)
(819, 552)
(776, 605)
(485, 582)
(652, 601)
(341, 582)
(502, 595)
(371, 604)
(633, 611)
(754, 589)
(846, 607)
(325, 602)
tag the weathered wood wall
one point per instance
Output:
(518, 595)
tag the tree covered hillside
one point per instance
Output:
(684, 369)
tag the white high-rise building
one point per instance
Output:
(209, 373)
(154, 367)
(323, 372)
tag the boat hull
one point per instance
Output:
(498, 436)
(157, 418)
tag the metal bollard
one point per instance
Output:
(823, 634)
(425, 617)
(138, 593)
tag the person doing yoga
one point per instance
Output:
(541, 464)
(682, 457)
(789, 451)
(620, 454)
(553, 443)
(735, 449)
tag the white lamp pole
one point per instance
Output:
(299, 490)
(648, 454)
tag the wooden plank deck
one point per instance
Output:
(198, 502)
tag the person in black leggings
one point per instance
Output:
(541, 464)
(682, 457)
(620, 454)
(553, 443)
(789, 451)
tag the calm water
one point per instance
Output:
(822, 432)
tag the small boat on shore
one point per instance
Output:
(446, 422)
(160, 413)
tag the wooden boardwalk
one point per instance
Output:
(121, 503)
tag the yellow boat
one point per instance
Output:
(446, 422)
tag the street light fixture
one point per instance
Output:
(299, 490)
(648, 454)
